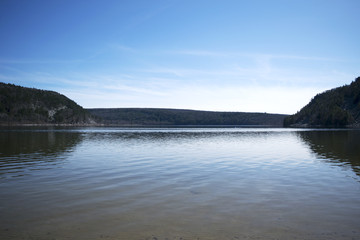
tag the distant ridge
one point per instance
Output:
(182, 117)
(22, 105)
(338, 107)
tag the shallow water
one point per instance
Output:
(197, 183)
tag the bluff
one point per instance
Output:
(21, 105)
(161, 116)
(338, 107)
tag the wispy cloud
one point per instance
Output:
(300, 57)
(131, 89)
(269, 56)
(188, 72)
(196, 79)
(236, 98)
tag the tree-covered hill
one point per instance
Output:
(21, 105)
(156, 116)
(338, 107)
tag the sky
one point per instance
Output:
(225, 55)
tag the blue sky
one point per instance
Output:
(230, 55)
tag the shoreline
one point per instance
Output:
(303, 126)
(135, 125)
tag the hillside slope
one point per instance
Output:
(157, 116)
(338, 107)
(21, 105)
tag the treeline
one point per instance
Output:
(21, 105)
(156, 116)
(337, 107)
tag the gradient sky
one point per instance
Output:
(252, 56)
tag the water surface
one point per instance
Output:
(210, 183)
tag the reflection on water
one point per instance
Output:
(339, 146)
(109, 183)
(23, 151)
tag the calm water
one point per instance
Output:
(113, 183)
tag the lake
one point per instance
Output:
(179, 183)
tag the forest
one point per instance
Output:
(177, 117)
(338, 107)
(21, 105)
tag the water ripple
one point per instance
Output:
(181, 183)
